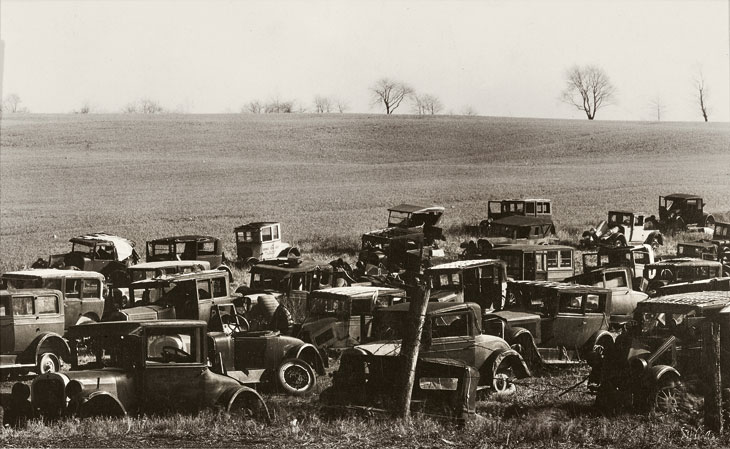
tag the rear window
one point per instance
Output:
(616, 279)
(566, 259)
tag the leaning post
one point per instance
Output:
(409, 349)
(713, 396)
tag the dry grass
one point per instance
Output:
(329, 179)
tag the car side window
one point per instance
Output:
(552, 259)
(91, 289)
(73, 288)
(46, 304)
(203, 287)
(566, 259)
(530, 208)
(266, 234)
(23, 305)
(219, 287)
(616, 279)
(571, 303)
(454, 325)
(171, 346)
(276, 232)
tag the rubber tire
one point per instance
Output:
(48, 363)
(500, 380)
(299, 368)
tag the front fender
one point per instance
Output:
(309, 354)
(515, 360)
(231, 399)
(102, 403)
(47, 340)
(595, 338)
(655, 373)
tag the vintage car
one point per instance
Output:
(529, 207)
(451, 331)
(660, 351)
(521, 229)
(261, 241)
(261, 356)
(83, 291)
(717, 248)
(481, 281)
(623, 228)
(634, 257)
(556, 323)
(442, 388)
(618, 279)
(395, 249)
(680, 211)
(412, 216)
(187, 296)
(140, 367)
(188, 247)
(290, 281)
(684, 275)
(150, 270)
(31, 326)
(341, 317)
(524, 261)
(107, 254)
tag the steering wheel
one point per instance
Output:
(172, 352)
(240, 324)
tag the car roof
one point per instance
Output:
(125, 247)
(255, 224)
(356, 290)
(699, 302)
(685, 262)
(564, 286)
(126, 327)
(522, 220)
(289, 267)
(185, 238)
(626, 212)
(529, 247)
(681, 196)
(177, 277)
(412, 208)
(462, 264)
(395, 231)
(31, 292)
(522, 199)
(52, 273)
(170, 264)
(433, 307)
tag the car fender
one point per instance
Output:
(228, 398)
(308, 353)
(102, 403)
(50, 340)
(515, 360)
(598, 336)
(227, 270)
(655, 373)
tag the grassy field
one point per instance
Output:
(328, 179)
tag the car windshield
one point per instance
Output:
(162, 293)
(109, 351)
(83, 248)
(398, 218)
(323, 307)
(141, 275)
(445, 281)
(389, 325)
(269, 280)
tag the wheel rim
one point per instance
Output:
(666, 400)
(297, 377)
(47, 364)
(501, 382)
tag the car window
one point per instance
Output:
(73, 288)
(616, 279)
(171, 346)
(206, 248)
(641, 257)
(552, 259)
(546, 208)
(23, 305)
(449, 325)
(530, 208)
(219, 287)
(266, 234)
(275, 232)
(46, 304)
(91, 288)
(161, 248)
(54, 284)
(571, 303)
(593, 303)
(5, 305)
(203, 287)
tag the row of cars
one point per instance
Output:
(494, 314)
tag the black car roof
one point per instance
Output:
(681, 196)
(184, 238)
(126, 327)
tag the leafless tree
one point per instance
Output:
(130, 108)
(342, 105)
(657, 105)
(588, 89)
(254, 107)
(279, 107)
(468, 110)
(390, 93)
(702, 92)
(322, 104)
(12, 103)
(84, 109)
(149, 106)
(426, 104)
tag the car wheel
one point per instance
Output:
(48, 363)
(666, 396)
(296, 377)
(502, 379)
(710, 222)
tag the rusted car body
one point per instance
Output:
(187, 247)
(680, 211)
(83, 291)
(396, 249)
(619, 280)
(451, 331)
(529, 207)
(412, 216)
(717, 248)
(527, 262)
(682, 275)
(635, 258)
(480, 281)
(442, 388)
(660, 350)
(107, 254)
(141, 367)
(31, 329)
(341, 317)
(623, 228)
(556, 323)
(261, 241)
(521, 229)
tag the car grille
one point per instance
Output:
(49, 397)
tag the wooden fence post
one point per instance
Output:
(410, 348)
(713, 396)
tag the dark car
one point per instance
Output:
(411, 216)
(529, 207)
(521, 229)
(141, 367)
(526, 261)
(682, 275)
(187, 247)
(679, 211)
(31, 329)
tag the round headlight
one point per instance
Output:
(74, 388)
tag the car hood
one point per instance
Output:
(382, 348)
(511, 316)
(144, 313)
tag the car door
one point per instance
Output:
(72, 300)
(173, 370)
(450, 335)
(570, 323)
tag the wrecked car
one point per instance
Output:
(618, 279)
(31, 329)
(394, 249)
(556, 323)
(634, 257)
(341, 317)
(261, 241)
(141, 367)
(524, 261)
(623, 228)
(659, 351)
(529, 207)
(188, 247)
(680, 212)
(83, 291)
(451, 331)
(681, 275)
(521, 229)
(412, 216)
(481, 281)
(107, 254)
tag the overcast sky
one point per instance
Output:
(501, 58)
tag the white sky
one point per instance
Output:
(503, 58)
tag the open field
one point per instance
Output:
(328, 179)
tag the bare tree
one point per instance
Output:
(130, 108)
(279, 107)
(702, 92)
(390, 93)
(468, 110)
(12, 103)
(149, 106)
(588, 89)
(426, 104)
(342, 105)
(84, 109)
(657, 105)
(254, 107)
(322, 104)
